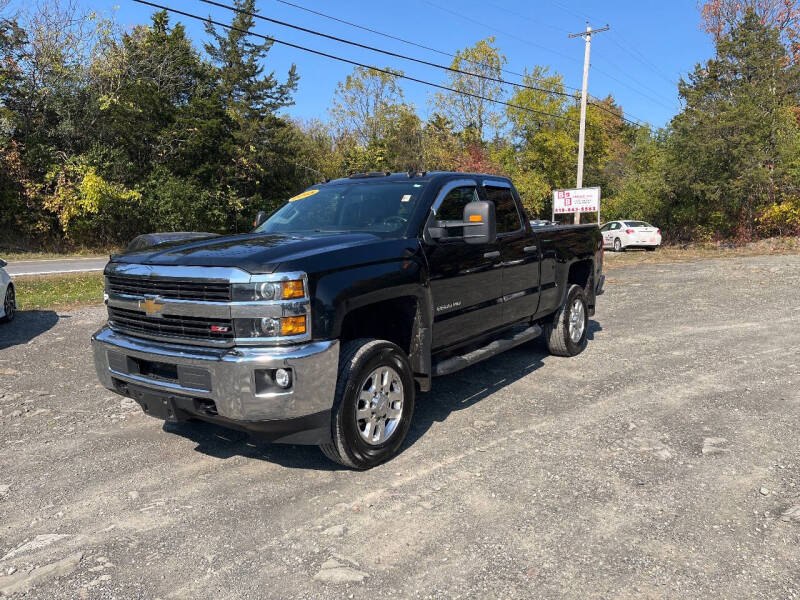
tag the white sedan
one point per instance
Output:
(8, 305)
(620, 235)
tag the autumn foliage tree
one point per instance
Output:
(106, 132)
(720, 17)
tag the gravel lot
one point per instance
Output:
(663, 462)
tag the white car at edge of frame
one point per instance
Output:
(8, 302)
(621, 235)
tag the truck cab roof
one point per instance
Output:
(422, 176)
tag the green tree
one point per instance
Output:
(726, 160)
(360, 101)
(261, 143)
(374, 128)
(143, 83)
(543, 147)
(477, 113)
(441, 146)
(641, 192)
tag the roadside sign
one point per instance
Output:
(576, 201)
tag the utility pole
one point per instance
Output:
(586, 35)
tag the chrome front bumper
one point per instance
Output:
(231, 381)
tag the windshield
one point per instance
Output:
(380, 208)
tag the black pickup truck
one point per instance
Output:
(320, 325)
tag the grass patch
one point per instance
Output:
(59, 291)
(676, 254)
(23, 256)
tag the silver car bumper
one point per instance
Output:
(227, 376)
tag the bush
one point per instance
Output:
(89, 209)
(781, 218)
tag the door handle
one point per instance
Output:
(530, 249)
(492, 254)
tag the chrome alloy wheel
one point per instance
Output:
(577, 321)
(380, 405)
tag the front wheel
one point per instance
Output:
(566, 333)
(373, 405)
(9, 304)
(618, 245)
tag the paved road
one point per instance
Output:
(663, 462)
(21, 268)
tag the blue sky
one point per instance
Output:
(650, 45)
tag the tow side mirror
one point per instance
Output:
(2, 263)
(261, 216)
(479, 223)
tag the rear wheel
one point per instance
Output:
(651, 248)
(373, 406)
(618, 245)
(9, 304)
(566, 333)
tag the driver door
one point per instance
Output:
(466, 282)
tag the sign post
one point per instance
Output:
(584, 200)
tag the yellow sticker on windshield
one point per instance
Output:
(305, 194)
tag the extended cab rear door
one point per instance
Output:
(518, 251)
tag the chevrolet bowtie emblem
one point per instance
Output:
(151, 306)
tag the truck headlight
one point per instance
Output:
(268, 290)
(269, 328)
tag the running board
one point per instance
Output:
(511, 339)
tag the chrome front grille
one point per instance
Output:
(194, 305)
(189, 329)
(178, 289)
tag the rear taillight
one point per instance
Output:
(658, 231)
(629, 231)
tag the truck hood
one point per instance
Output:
(254, 252)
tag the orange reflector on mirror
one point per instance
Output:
(475, 218)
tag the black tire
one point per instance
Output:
(557, 331)
(9, 304)
(357, 359)
(650, 248)
(618, 247)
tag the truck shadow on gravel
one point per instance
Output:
(470, 386)
(27, 325)
(219, 442)
(450, 394)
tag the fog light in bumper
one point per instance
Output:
(283, 378)
(271, 381)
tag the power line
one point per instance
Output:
(506, 33)
(399, 39)
(539, 23)
(410, 58)
(351, 62)
(566, 56)
(634, 121)
(572, 12)
(382, 51)
(634, 52)
(630, 50)
(637, 91)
